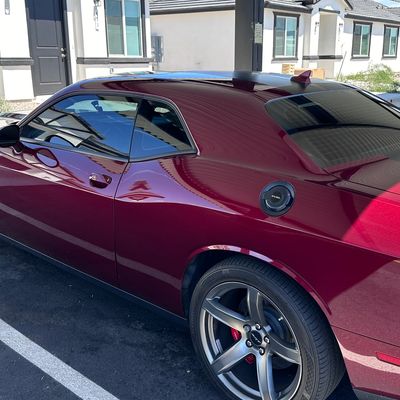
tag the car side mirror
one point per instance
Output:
(9, 135)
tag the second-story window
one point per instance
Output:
(124, 27)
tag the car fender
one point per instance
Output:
(273, 262)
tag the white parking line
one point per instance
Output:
(51, 365)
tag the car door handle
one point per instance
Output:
(99, 181)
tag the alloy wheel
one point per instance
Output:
(249, 343)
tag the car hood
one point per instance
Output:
(382, 175)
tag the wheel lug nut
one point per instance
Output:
(266, 339)
(258, 327)
(247, 328)
(262, 351)
(248, 343)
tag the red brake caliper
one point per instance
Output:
(236, 337)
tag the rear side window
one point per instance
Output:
(339, 128)
(159, 132)
(90, 123)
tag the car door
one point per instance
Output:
(152, 207)
(57, 186)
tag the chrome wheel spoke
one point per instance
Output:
(229, 358)
(265, 378)
(284, 349)
(255, 304)
(224, 314)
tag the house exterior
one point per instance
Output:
(48, 44)
(340, 36)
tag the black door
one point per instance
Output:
(46, 38)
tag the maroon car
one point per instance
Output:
(262, 209)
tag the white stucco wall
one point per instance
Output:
(16, 81)
(269, 64)
(85, 39)
(90, 41)
(205, 40)
(196, 41)
(350, 65)
(13, 30)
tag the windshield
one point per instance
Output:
(340, 128)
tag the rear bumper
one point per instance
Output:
(369, 376)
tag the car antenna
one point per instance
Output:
(303, 78)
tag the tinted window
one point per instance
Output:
(340, 128)
(97, 124)
(158, 132)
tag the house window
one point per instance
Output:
(124, 27)
(285, 36)
(390, 41)
(361, 39)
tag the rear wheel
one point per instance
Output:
(260, 336)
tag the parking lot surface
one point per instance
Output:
(126, 350)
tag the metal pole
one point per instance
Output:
(249, 29)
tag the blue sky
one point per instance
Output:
(389, 3)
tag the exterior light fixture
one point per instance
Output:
(97, 4)
(7, 7)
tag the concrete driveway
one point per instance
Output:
(114, 348)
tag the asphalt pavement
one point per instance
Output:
(130, 352)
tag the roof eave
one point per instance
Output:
(361, 17)
(276, 5)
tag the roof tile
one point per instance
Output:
(363, 8)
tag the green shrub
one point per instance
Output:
(4, 106)
(378, 78)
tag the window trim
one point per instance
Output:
(142, 31)
(285, 58)
(386, 56)
(135, 95)
(361, 57)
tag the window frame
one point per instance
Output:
(276, 57)
(194, 150)
(134, 95)
(361, 57)
(387, 56)
(142, 31)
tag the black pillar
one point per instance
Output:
(249, 28)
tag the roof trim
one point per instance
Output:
(113, 60)
(376, 19)
(275, 5)
(287, 7)
(193, 9)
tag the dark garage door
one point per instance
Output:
(46, 38)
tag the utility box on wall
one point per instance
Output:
(157, 49)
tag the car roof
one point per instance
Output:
(265, 85)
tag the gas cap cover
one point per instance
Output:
(277, 198)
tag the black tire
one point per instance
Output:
(321, 366)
